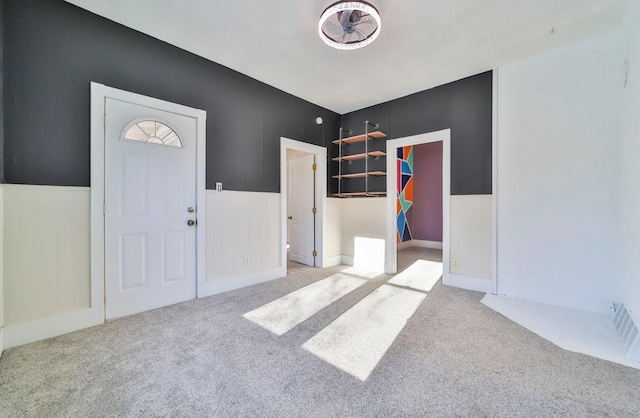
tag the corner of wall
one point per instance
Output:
(333, 244)
(629, 154)
(363, 217)
(1, 270)
(1, 91)
(551, 225)
(1, 177)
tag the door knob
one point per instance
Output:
(191, 222)
(289, 217)
(191, 210)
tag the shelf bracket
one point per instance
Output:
(366, 152)
(342, 130)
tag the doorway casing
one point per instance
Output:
(391, 256)
(320, 197)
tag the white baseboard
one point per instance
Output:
(332, 261)
(426, 244)
(53, 326)
(468, 282)
(404, 245)
(347, 260)
(419, 243)
(338, 260)
(221, 285)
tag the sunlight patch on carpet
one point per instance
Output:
(284, 313)
(421, 275)
(363, 272)
(357, 340)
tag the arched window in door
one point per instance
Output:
(152, 131)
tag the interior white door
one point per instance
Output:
(301, 192)
(150, 197)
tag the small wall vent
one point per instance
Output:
(627, 331)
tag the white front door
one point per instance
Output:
(300, 194)
(150, 208)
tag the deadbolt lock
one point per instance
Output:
(191, 210)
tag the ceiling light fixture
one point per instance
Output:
(349, 24)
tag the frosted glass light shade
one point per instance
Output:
(362, 27)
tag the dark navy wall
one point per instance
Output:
(464, 106)
(53, 50)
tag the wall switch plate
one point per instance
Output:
(218, 186)
(456, 263)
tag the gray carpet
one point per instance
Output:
(455, 357)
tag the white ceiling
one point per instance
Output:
(422, 43)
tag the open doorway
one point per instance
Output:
(301, 169)
(419, 203)
(401, 167)
(303, 192)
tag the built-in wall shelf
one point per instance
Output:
(355, 194)
(352, 157)
(372, 168)
(358, 175)
(360, 138)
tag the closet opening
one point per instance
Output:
(418, 193)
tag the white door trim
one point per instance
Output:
(391, 257)
(494, 184)
(99, 93)
(321, 196)
(300, 208)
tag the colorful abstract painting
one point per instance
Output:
(404, 192)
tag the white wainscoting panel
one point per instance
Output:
(1, 271)
(471, 236)
(47, 252)
(333, 237)
(241, 225)
(362, 217)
